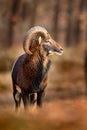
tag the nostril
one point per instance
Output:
(61, 49)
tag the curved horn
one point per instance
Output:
(37, 30)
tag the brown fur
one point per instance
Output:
(30, 72)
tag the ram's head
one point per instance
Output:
(44, 39)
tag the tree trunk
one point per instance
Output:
(55, 18)
(85, 66)
(15, 6)
(78, 31)
(73, 22)
(25, 10)
(34, 12)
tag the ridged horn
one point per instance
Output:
(36, 30)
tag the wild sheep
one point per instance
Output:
(30, 71)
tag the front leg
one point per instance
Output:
(41, 93)
(25, 98)
(40, 98)
(32, 98)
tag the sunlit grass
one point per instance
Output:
(56, 115)
(66, 77)
(6, 62)
(8, 56)
(3, 87)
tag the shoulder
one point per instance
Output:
(19, 60)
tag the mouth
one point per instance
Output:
(59, 52)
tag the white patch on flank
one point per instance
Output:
(18, 89)
(17, 96)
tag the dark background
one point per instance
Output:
(65, 105)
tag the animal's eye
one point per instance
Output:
(48, 42)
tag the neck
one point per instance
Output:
(38, 56)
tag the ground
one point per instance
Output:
(65, 103)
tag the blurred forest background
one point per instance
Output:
(65, 103)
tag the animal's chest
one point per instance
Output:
(35, 75)
(46, 66)
(42, 70)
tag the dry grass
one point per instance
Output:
(59, 114)
(67, 73)
(64, 108)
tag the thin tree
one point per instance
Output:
(55, 18)
(15, 6)
(85, 66)
(72, 29)
(25, 10)
(78, 31)
(35, 4)
(85, 59)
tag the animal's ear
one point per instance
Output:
(40, 40)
